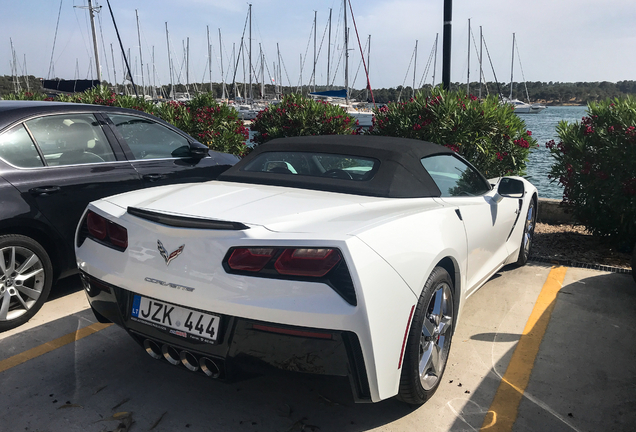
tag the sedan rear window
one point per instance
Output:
(315, 165)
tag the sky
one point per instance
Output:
(556, 40)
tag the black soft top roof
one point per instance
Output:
(400, 175)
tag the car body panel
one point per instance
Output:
(390, 246)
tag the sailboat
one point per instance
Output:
(341, 97)
(519, 106)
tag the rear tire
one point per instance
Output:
(429, 340)
(528, 233)
(26, 276)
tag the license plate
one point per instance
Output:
(175, 319)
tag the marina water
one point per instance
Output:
(543, 126)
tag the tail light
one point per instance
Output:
(307, 262)
(106, 232)
(250, 259)
(323, 265)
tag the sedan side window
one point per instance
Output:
(150, 140)
(17, 148)
(454, 177)
(70, 139)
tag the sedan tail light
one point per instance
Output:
(106, 232)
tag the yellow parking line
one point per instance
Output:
(505, 406)
(50, 346)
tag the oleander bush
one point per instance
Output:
(213, 124)
(297, 115)
(488, 134)
(595, 161)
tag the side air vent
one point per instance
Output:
(186, 222)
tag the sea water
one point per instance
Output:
(543, 127)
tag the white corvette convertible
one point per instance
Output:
(340, 255)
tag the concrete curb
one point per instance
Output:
(554, 211)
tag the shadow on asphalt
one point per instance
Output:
(584, 375)
(66, 286)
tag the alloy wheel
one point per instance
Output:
(436, 336)
(22, 279)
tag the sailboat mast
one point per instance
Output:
(414, 70)
(512, 66)
(112, 55)
(329, 51)
(92, 16)
(314, 73)
(209, 57)
(435, 59)
(260, 48)
(222, 74)
(346, 48)
(141, 61)
(250, 53)
(481, 71)
(279, 78)
(368, 66)
(468, 73)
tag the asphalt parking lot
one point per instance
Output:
(538, 348)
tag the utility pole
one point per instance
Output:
(446, 61)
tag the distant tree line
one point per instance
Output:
(552, 93)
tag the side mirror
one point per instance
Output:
(510, 188)
(198, 150)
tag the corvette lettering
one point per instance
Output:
(169, 284)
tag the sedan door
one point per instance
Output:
(487, 216)
(62, 162)
(161, 155)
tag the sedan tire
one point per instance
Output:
(26, 277)
(429, 340)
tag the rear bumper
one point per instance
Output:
(241, 344)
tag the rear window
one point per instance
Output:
(315, 164)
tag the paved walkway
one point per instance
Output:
(538, 349)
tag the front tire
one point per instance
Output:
(429, 340)
(528, 234)
(26, 276)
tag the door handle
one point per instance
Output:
(154, 177)
(44, 190)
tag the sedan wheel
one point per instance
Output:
(528, 234)
(429, 340)
(25, 279)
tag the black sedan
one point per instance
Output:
(57, 157)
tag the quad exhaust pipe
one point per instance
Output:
(174, 356)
